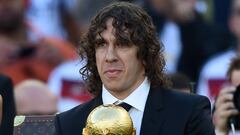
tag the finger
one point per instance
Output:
(228, 113)
(227, 97)
(228, 89)
(226, 106)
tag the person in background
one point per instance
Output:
(59, 13)
(21, 58)
(1, 108)
(189, 40)
(125, 64)
(66, 83)
(224, 106)
(181, 82)
(34, 98)
(7, 106)
(213, 73)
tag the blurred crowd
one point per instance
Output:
(39, 40)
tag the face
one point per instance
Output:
(234, 21)
(235, 77)
(119, 68)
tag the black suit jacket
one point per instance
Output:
(166, 113)
(9, 112)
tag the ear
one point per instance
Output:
(144, 63)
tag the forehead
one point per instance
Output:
(113, 30)
(235, 78)
(109, 27)
(236, 4)
(109, 31)
(236, 73)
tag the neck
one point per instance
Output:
(122, 94)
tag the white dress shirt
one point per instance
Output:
(137, 99)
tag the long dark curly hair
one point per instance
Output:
(140, 32)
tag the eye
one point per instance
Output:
(100, 43)
(120, 45)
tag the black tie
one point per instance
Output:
(126, 106)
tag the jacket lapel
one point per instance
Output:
(97, 102)
(154, 114)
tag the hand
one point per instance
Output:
(224, 109)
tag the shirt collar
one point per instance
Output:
(140, 93)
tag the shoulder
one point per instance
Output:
(4, 79)
(185, 103)
(76, 112)
(186, 99)
(6, 91)
(194, 109)
(73, 120)
(6, 85)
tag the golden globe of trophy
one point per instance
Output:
(109, 120)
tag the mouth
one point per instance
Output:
(112, 73)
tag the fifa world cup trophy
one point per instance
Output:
(109, 120)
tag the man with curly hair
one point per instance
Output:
(125, 63)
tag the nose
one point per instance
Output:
(111, 54)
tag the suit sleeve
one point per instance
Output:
(200, 122)
(58, 130)
(9, 110)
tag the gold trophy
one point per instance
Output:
(109, 120)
